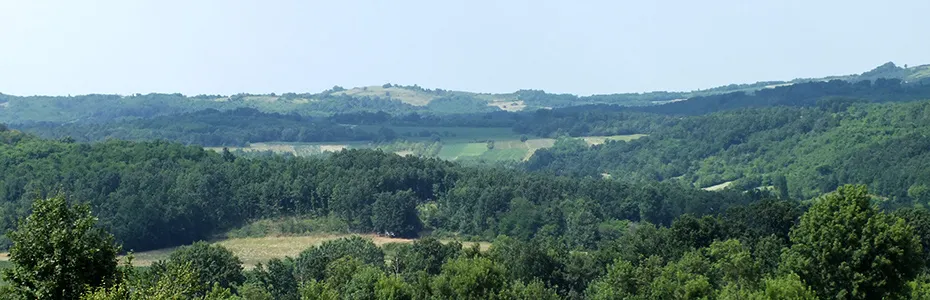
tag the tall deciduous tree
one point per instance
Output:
(395, 214)
(58, 252)
(845, 248)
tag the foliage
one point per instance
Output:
(159, 194)
(212, 264)
(58, 252)
(312, 263)
(797, 152)
(845, 248)
(395, 214)
(469, 278)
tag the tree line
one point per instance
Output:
(839, 246)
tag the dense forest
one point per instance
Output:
(211, 127)
(159, 194)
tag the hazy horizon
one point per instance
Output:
(595, 47)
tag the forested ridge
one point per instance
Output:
(887, 82)
(803, 151)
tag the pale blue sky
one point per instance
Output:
(581, 47)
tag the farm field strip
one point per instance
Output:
(469, 146)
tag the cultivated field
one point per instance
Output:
(456, 143)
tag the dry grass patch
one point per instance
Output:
(718, 187)
(258, 250)
(252, 251)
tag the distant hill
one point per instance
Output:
(389, 98)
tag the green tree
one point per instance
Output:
(178, 281)
(395, 214)
(426, 254)
(58, 252)
(919, 219)
(252, 291)
(845, 248)
(312, 263)
(277, 277)
(781, 185)
(788, 287)
(469, 278)
(317, 290)
(213, 264)
(919, 193)
(523, 261)
(534, 290)
(733, 264)
(391, 287)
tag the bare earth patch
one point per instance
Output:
(517, 105)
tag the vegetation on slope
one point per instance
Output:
(802, 152)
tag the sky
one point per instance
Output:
(579, 47)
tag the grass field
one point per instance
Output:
(504, 154)
(252, 251)
(457, 151)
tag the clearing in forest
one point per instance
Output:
(254, 250)
(718, 187)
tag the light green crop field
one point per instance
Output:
(456, 151)
(514, 154)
